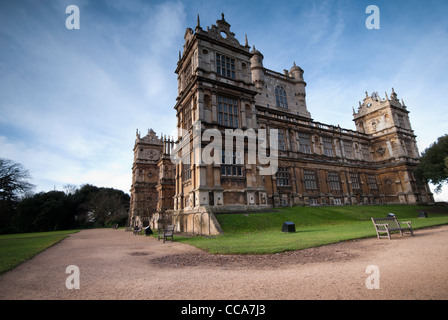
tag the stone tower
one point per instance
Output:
(152, 188)
(393, 146)
(145, 178)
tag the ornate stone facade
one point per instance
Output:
(223, 84)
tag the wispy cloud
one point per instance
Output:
(74, 98)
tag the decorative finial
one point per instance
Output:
(387, 98)
(222, 15)
(198, 23)
(246, 44)
(180, 57)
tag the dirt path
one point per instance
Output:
(115, 264)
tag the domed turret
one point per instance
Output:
(257, 68)
(296, 72)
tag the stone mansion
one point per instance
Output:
(223, 84)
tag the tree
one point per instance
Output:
(434, 163)
(14, 185)
(101, 206)
(13, 180)
(45, 211)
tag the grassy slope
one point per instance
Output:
(260, 233)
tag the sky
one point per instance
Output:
(71, 100)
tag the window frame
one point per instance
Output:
(327, 143)
(281, 144)
(355, 181)
(348, 149)
(372, 181)
(225, 104)
(334, 181)
(281, 99)
(304, 147)
(225, 66)
(235, 167)
(310, 179)
(283, 177)
(186, 168)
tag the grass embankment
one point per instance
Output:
(260, 233)
(17, 248)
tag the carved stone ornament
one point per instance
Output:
(380, 150)
(153, 154)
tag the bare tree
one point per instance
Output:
(13, 186)
(13, 181)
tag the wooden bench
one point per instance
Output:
(137, 230)
(389, 224)
(165, 233)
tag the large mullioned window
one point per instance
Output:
(304, 143)
(280, 97)
(227, 112)
(356, 183)
(328, 146)
(310, 179)
(232, 164)
(333, 179)
(282, 177)
(225, 66)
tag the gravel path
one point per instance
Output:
(115, 264)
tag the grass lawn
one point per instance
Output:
(17, 248)
(260, 233)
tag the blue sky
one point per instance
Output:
(71, 100)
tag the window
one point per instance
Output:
(187, 117)
(348, 149)
(281, 140)
(280, 97)
(337, 201)
(186, 74)
(227, 112)
(409, 149)
(225, 66)
(186, 168)
(304, 143)
(310, 180)
(313, 202)
(282, 177)
(401, 122)
(354, 178)
(365, 152)
(333, 179)
(232, 164)
(328, 146)
(371, 180)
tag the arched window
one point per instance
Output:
(280, 97)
